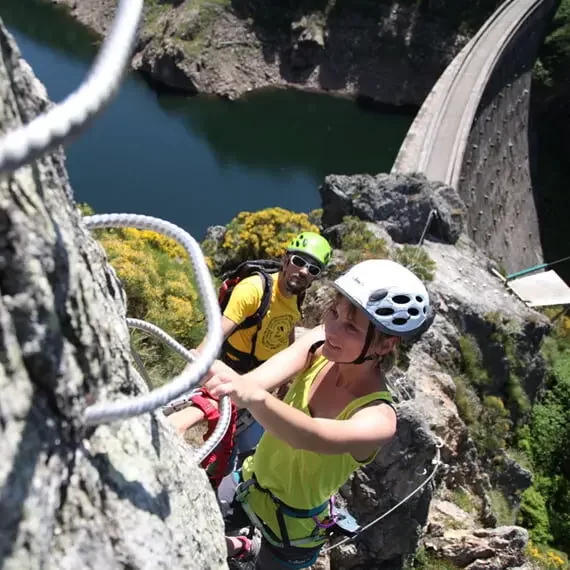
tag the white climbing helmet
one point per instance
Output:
(395, 300)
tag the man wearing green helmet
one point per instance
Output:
(258, 321)
(308, 250)
(246, 347)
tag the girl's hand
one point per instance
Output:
(242, 391)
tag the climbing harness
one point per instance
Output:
(282, 510)
(339, 518)
(67, 119)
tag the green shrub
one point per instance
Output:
(493, 425)
(466, 401)
(472, 361)
(533, 515)
(464, 500)
(417, 260)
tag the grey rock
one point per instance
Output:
(308, 43)
(482, 549)
(513, 478)
(125, 495)
(398, 469)
(239, 49)
(215, 233)
(401, 202)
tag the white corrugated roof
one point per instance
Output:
(541, 289)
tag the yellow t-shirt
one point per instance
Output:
(276, 326)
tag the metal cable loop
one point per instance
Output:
(191, 376)
(67, 119)
(225, 405)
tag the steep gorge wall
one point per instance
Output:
(496, 182)
(473, 132)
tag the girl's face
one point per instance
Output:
(345, 332)
(346, 327)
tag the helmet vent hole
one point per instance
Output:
(419, 299)
(414, 312)
(384, 311)
(378, 295)
(400, 321)
(401, 299)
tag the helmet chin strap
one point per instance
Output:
(367, 341)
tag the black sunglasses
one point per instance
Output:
(299, 261)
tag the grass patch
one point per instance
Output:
(466, 401)
(417, 260)
(426, 560)
(464, 500)
(472, 361)
(505, 514)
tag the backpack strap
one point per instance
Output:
(261, 311)
(257, 317)
(300, 300)
(246, 362)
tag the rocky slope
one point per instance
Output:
(125, 495)
(390, 51)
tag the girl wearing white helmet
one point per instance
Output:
(333, 420)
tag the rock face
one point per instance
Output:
(392, 52)
(125, 495)
(398, 470)
(401, 202)
(484, 549)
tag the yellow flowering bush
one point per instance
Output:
(158, 280)
(159, 242)
(546, 558)
(263, 234)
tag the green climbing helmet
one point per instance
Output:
(312, 244)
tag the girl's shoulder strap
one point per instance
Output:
(311, 354)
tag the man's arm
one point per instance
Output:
(244, 301)
(228, 327)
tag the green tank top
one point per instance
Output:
(301, 479)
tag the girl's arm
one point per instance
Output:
(285, 364)
(360, 435)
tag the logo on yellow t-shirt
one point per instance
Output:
(276, 335)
